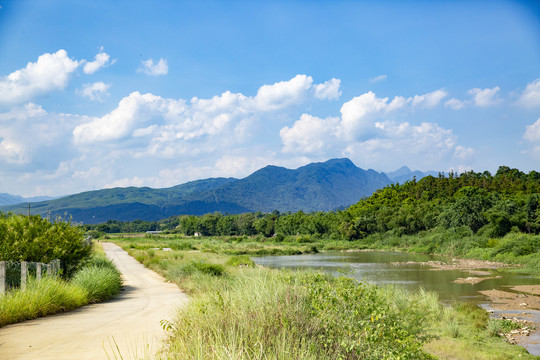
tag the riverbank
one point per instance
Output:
(236, 308)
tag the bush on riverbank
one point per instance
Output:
(98, 280)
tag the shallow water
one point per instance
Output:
(376, 267)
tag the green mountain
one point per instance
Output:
(333, 184)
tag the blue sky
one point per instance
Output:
(98, 94)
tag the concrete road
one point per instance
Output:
(127, 327)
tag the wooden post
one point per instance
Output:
(38, 271)
(24, 274)
(2, 277)
(49, 270)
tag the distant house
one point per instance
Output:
(154, 232)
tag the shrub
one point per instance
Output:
(240, 260)
(204, 267)
(100, 283)
(32, 238)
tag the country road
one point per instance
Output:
(131, 321)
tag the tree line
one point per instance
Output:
(489, 205)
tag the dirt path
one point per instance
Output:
(131, 321)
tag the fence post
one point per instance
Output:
(38, 271)
(2, 277)
(24, 274)
(49, 270)
(57, 268)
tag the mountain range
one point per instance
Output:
(8, 199)
(330, 185)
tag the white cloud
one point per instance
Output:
(148, 67)
(454, 104)
(283, 93)
(485, 97)
(95, 91)
(367, 133)
(428, 100)
(357, 115)
(133, 111)
(100, 60)
(532, 132)
(531, 95)
(379, 78)
(31, 135)
(328, 90)
(426, 144)
(462, 152)
(310, 134)
(50, 72)
(152, 126)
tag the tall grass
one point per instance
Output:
(262, 314)
(97, 281)
(40, 298)
(100, 280)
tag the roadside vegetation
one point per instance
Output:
(86, 276)
(241, 311)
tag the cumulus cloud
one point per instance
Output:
(50, 72)
(133, 111)
(368, 132)
(148, 67)
(100, 61)
(429, 100)
(398, 143)
(532, 132)
(95, 91)
(283, 93)
(531, 95)
(462, 152)
(328, 90)
(454, 104)
(31, 135)
(166, 128)
(310, 134)
(485, 97)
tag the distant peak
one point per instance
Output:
(404, 168)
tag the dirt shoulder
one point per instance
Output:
(130, 322)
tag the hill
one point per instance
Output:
(329, 185)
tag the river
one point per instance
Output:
(378, 267)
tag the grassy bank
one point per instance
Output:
(239, 311)
(514, 248)
(96, 281)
